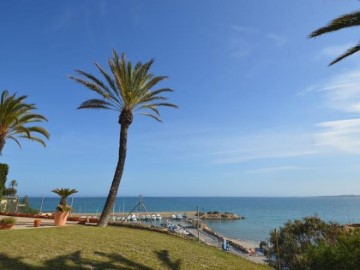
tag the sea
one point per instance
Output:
(262, 214)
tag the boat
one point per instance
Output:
(158, 217)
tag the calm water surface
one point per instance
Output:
(262, 214)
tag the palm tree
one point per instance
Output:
(15, 116)
(344, 21)
(64, 193)
(13, 183)
(128, 90)
(11, 190)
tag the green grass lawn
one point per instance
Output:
(85, 247)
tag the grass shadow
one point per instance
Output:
(163, 255)
(118, 258)
(73, 261)
(14, 263)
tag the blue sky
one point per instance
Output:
(261, 113)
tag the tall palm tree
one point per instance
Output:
(129, 89)
(64, 193)
(344, 21)
(16, 118)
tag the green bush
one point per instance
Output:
(9, 220)
(344, 254)
(298, 236)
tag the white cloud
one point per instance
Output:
(341, 92)
(244, 40)
(341, 135)
(264, 146)
(278, 169)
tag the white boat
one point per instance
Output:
(179, 216)
(158, 217)
(173, 216)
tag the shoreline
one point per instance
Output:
(249, 244)
(121, 214)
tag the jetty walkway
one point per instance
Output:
(213, 241)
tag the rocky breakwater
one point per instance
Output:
(215, 215)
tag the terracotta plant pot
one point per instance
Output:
(60, 218)
(37, 223)
(5, 226)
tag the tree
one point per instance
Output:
(11, 190)
(296, 237)
(64, 193)
(26, 207)
(4, 169)
(129, 89)
(13, 183)
(344, 21)
(344, 254)
(15, 115)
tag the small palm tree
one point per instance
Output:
(64, 193)
(344, 21)
(13, 183)
(15, 118)
(11, 190)
(129, 89)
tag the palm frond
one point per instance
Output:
(39, 130)
(349, 52)
(16, 117)
(344, 21)
(15, 140)
(96, 104)
(165, 104)
(90, 85)
(128, 88)
(152, 108)
(110, 81)
(152, 116)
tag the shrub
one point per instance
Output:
(9, 220)
(298, 236)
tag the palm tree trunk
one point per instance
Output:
(2, 144)
(110, 201)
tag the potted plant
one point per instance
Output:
(7, 223)
(63, 209)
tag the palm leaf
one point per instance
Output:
(97, 104)
(128, 88)
(16, 118)
(349, 52)
(344, 21)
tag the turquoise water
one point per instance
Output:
(261, 214)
